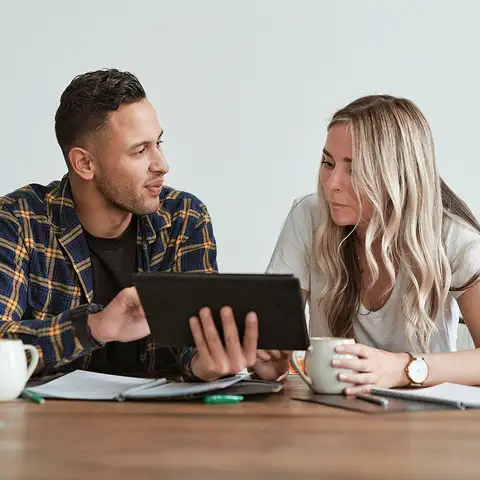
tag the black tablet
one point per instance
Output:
(170, 299)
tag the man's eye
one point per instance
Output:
(140, 152)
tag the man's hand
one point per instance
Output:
(212, 359)
(272, 364)
(122, 320)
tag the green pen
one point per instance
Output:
(33, 397)
(221, 399)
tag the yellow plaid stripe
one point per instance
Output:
(35, 247)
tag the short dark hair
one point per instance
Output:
(88, 100)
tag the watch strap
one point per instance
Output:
(79, 319)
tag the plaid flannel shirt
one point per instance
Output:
(46, 278)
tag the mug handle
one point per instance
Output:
(303, 376)
(34, 358)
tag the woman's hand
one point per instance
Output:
(373, 367)
(272, 364)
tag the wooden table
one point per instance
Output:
(275, 438)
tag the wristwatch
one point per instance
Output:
(416, 370)
(79, 318)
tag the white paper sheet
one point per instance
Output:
(82, 385)
(178, 389)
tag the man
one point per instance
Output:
(68, 250)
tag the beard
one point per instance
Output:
(123, 196)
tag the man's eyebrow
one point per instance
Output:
(144, 142)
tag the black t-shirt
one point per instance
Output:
(113, 262)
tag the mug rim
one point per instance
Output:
(10, 340)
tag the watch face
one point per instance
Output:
(418, 370)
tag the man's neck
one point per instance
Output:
(96, 215)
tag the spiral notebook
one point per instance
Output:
(453, 394)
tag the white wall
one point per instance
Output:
(244, 90)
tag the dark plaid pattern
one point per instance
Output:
(46, 276)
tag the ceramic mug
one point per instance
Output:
(14, 371)
(319, 374)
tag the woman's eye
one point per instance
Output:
(327, 164)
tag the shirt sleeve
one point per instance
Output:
(58, 339)
(196, 254)
(293, 251)
(462, 247)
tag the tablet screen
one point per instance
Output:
(170, 299)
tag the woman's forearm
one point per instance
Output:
(456, 367)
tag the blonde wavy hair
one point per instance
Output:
(394, 169)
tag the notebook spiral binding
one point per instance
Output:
(417, 398)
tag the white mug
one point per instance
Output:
(319, 374)
(14, 372)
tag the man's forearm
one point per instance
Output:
(185, 360)
(59, 339)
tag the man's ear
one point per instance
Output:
(81, 162)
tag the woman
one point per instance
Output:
(386, 253)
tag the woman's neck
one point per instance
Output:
(376, 246)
